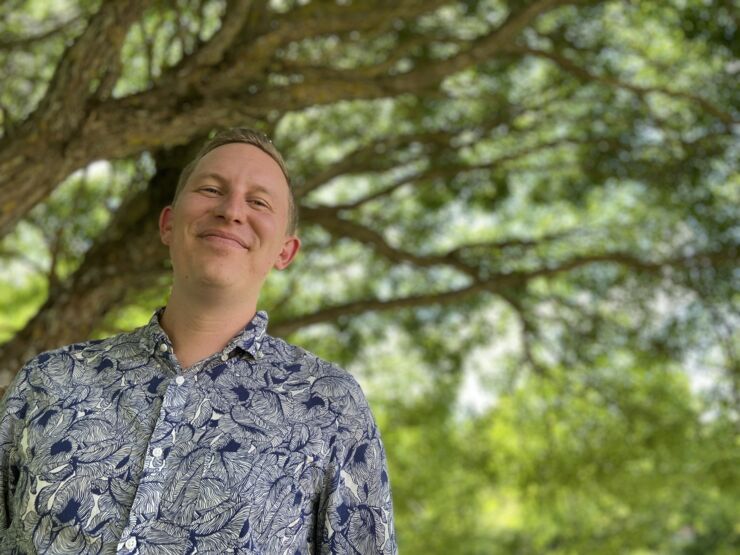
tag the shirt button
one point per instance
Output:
(130, 543)
(157, 452)
(224, 357)
(163, 347)
(179, 380)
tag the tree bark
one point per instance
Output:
(128, 257)
(73, 127)
(36, 157)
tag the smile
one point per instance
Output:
(224, 238)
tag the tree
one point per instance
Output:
(567, 167)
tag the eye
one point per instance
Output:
(258, 202)
(209, 189)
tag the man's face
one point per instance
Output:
(228, 226)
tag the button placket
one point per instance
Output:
(156, 463)
(173, 410)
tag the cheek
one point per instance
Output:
(178, 242)
(269, 225)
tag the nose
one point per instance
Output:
(230, 208)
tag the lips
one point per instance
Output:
(223, 235)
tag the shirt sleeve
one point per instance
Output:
(13, 407)
(356, 514)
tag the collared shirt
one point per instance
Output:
(109, 446)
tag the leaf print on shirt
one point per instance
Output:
(270, 451)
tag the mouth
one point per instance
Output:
(223, 237)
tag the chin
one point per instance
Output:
(210, 280)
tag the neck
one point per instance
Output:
(201, 325)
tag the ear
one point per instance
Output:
(291, 245)
(165, 225)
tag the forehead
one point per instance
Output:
(241, 163)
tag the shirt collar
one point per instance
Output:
(250, 339)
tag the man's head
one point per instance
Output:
(232, 218)
(249, 137)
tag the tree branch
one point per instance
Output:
(528, 332)
(299, 24)
(339, 227)
(212, 52)
(10, 43)
(450, 169)
(374, 157)
(62, 108)
(384, 192)
(585, 75)
(124, 258)
(334, 85)
(163, 117)
(511, 243)
(431, 73)
(495, 285)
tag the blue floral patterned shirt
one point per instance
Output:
(109, 446)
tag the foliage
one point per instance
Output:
(519, 223)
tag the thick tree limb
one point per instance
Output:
(33, 164)
(36, 158)
(495, 285)
(312, 20)
(212, 52)
(332, 85)
(62, 108)
(126, 257)
(431, 73)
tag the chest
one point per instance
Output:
(240, 462)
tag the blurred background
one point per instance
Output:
(520, 228)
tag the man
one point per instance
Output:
(199, 432)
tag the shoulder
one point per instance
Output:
(84, 351)
(68, 365)
(52, 376)
(307, 366)
(322, 385)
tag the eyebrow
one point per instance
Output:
(223, 181)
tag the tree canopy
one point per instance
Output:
(519, 222)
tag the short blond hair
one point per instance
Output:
(249, 137)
